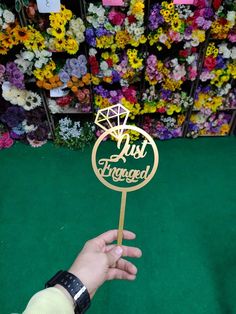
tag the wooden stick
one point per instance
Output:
(122, 218)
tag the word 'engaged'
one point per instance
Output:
(122, 174)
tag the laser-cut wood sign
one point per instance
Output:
(125, 170)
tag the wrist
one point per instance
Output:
(66, 293)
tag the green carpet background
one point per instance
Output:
(185, 221)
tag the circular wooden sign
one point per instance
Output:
(114, 172)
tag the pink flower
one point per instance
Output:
(6, 141)
(116, 18)
(232, 37)
(179, 72)
(192, 73)
(174, 36)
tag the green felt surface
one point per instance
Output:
(185, 220)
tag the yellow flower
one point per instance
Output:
(35, 41)
(98, 100)
(105, 41)
(224, 130)
(59, 44)
(170, 6)
(176, 25)
(199, 34)
(137, 8)
(95, 80)
(105, 55)
(71, 46)
(122, 39)
(58, 32)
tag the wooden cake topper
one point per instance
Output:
(114, 171)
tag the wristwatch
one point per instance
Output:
(75, 288)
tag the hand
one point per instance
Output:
(100, 261)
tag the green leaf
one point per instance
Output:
(18, 5)
(25, 3)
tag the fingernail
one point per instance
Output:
(118, 250)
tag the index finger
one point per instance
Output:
(111, 235)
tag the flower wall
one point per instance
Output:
(172, 66)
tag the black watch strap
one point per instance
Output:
(75, 288)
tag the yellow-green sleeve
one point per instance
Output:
(49, 301)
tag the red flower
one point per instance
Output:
(109, 62)
(183, 53)
(161, 110)
(116, 18)
(216, 4)
(94, 65)
(129, 94)
(132, 19)
(210, 63)
(64, 101)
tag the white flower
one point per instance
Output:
(233, 53)
(21, 101)
(27, 55)
(107, 73)
(223, 49)
(195, 42)
(28, 128)
(8, 16)
(104, 66)
(190, 59)
(5, 25)
(53, 107)
(231, 16)
(1, 11)
(92, 52)
(32, 101)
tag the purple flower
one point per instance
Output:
(73, 63)
(155, 18)
(41, 133)
(64, 76)
(220, 62)
(101, 91)
(165, 94)
(115, 76)
(90, 37)
(83, 69)
(82, 59)
(101, 32)
(10, 67)
(76, 73)
(13, 116)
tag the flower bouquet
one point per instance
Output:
(165, 101)
(170, 24)
(72, 135)
(11, 33)
(165, 127)
(115, 29)
(203, 124)
(127, 96)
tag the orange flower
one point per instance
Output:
(21, 33)
(69, 84)
(74, 79)
(86, 79)
(46, 85)
(39, 84)
(74, 89)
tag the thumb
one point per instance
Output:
(114, 254)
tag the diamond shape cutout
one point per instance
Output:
(117, 114)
